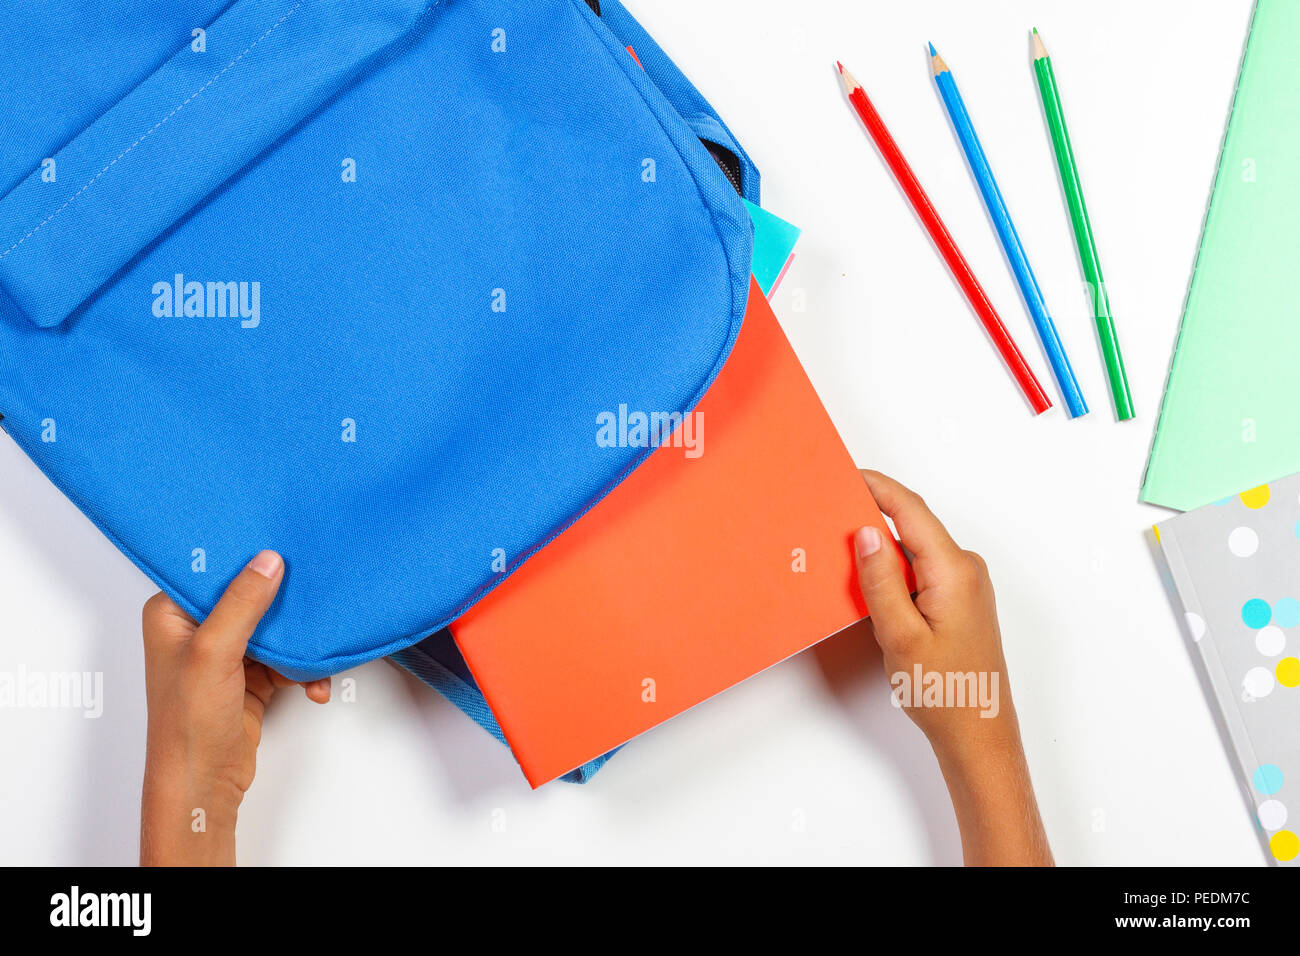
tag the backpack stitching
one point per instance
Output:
(152, 129)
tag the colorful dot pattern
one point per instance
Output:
(1272, 814)
(1256, 498)
(1256, 613)
(1286, 612)
(1269, 620)
(1269, 631)
(1284, 845)
(1268, 779)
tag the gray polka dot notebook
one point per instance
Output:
(1236, 567)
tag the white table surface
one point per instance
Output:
(806, 762)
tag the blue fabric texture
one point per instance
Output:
(351, 280)
(686, 100)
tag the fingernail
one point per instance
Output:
(268, 564)
(866, 542)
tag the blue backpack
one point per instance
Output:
(352, 280)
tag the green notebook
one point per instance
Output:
(1231, 413)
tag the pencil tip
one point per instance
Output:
(1035, 30)
(1040, 51)
(850, 84)
(937, 65)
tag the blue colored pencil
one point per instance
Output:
(1009, 238)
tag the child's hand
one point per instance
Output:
(206, 702)
(951, 629)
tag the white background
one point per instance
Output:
(807, 762)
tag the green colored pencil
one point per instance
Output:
(1082, 231)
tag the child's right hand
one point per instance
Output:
(952, 629)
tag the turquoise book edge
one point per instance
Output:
(774, 242)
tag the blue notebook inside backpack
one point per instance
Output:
(352, 281)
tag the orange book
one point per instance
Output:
(705, 566)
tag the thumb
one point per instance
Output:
(226, 631)
(884, 588)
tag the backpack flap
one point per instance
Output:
(358, 283)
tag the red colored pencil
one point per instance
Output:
(979, 300)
